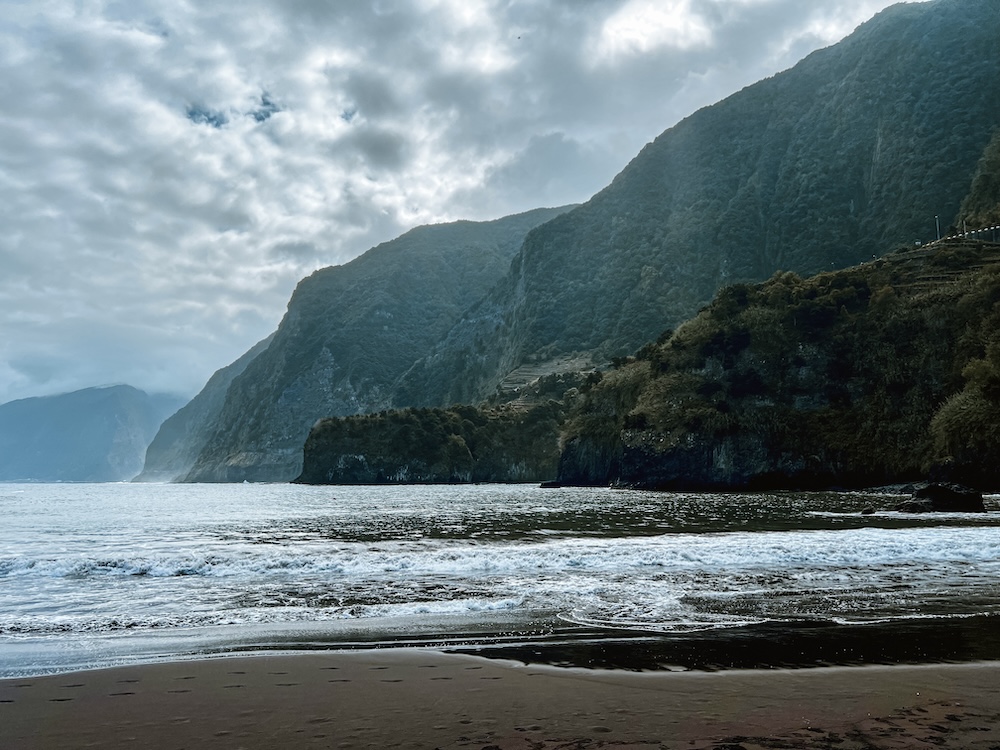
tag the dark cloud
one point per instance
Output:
(169, 171)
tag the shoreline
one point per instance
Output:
(427, 699)
(771, 645)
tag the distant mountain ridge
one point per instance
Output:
(90, 435)
(854, 150)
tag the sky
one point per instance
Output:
(170, 170)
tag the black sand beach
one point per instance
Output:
(426, 699)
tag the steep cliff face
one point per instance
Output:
(881, 373)
(981, 207)
(855, 149)
(349, 333)
(181, 438)
(91, 435)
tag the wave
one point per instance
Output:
(800, 550)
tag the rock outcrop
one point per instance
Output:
(943, 498)
(880, 374)
(462, 444)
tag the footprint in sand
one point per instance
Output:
(126, 682)
(285, 684)
(185, 690)
(440, 678)
(186, 677)
(122, 693)
(59, 700)
(74, 685)
(340, 680)
(232, 686)
(390, 680)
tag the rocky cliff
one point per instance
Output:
(181, 438)
(91, 435)
(461, 444)
(881, 373)
(349, 333)
(857, 148)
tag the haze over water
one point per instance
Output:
(97, 574)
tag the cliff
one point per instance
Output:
(349, 333)
(461, 444)
(181, 438)
(854, 150)
(885, 372)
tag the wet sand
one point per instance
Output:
(427, 699)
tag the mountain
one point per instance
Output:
(349, 333)
(91, 435)
(181, 438)
(882, 373)
(854, 150)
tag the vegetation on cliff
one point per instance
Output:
(853, 151)
(885, 372)
(460, 444)
(349, 333)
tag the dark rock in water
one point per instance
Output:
(868, 511)
(943, 498)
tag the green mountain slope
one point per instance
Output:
(349, 333)
(857, 148)
(877, 374)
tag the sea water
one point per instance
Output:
(100, 574)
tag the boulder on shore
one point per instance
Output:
(943, 498)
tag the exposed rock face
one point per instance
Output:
(831, 163)
(943, 498)
(875, 375)
(91, 435)
(182, 436)
(349, 333)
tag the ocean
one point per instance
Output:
(94, 575)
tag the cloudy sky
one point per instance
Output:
(169, 169)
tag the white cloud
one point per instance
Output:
(641, 26)
(169, 171)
